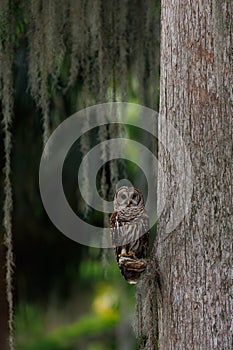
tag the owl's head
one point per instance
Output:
(127, 197)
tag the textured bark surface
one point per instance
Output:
(195, 259)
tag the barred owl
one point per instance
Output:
(129, 226)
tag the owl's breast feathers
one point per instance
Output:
(128, 226)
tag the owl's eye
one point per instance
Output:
(134, 196)
(123, 196)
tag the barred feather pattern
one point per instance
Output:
(129, 226)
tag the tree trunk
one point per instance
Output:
(195, 257)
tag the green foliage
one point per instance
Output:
(34, 332)
(93, 329)
(65, 337)
(29, 320)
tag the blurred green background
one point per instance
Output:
(68, 296)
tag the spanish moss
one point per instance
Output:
(6, 79)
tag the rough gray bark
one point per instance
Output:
(195, 259)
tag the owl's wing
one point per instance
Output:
(145, 237)
(114, 230)
(139, 243)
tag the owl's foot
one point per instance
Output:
(132, 255)
(123, 253)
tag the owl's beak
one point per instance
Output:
(128, 202)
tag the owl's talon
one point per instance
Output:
(132, 255)
(129, 255)
(123, 253)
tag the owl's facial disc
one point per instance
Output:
(127, 197)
